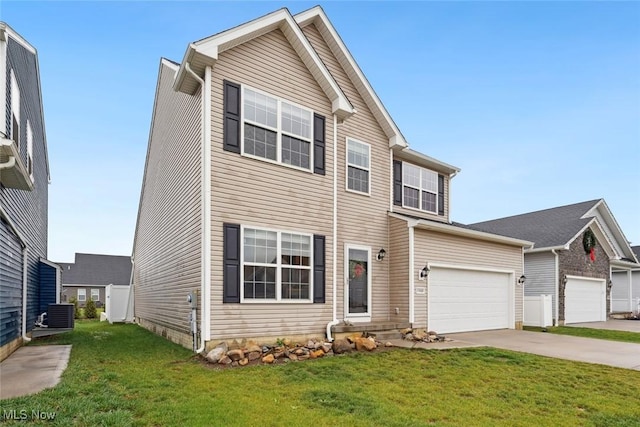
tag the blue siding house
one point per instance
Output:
(24, 181)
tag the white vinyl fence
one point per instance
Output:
(537, 311)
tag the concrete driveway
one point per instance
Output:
(612, 353)
(613, 324)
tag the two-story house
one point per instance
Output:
(28, 282)
(279, 194)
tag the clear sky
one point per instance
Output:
(537, 102)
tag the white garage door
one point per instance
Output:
(584, 300)
(468, 300)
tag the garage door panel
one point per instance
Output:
(584, 300)
(468, 300)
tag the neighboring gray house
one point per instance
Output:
(625, 291)
(576, 248)
(88, 276)
(28, 282)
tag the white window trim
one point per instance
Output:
(420, 190)
(278, 299)
(357, 317)
(30, 166)
(277, 129)
(83, 293)
(92, 293)
(15, 107)
(347, 164)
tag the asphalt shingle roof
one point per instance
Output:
(92, 269)
(546, 228)
(636, 251)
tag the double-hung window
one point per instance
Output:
(276, 129)
(419, 188)
(358, 166)
(29, 150)
(95, 294)
(276, 265)
(82, 295)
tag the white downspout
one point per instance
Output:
(25, 338)
(205, 247)
(411, 275)
(334, 255)
(557, 285)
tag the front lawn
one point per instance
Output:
(604, 334)
(122, 375)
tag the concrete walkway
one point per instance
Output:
(613, 324)
(590, 350)
(32, 369)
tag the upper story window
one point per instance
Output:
(29, 150)
(276, 129)
(419, 188)
(358, 166)
(276, 266)
(15, 111)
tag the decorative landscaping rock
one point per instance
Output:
(243, 362)
(269, 358)
(353, 337)
(214, 355)
(365, 344)
(252, 347)
(292, 356)
(326, 347)
(225, 360)
(235, 354)
(254, 355)
(419, 334)
(388, 344)
(235, 345)
(341, 346)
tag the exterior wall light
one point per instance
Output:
(424, 273)
(521, 280)
(381, 254)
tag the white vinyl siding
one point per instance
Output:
(540, 270)
(358, 166)
(275, 129)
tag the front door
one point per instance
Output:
(358, 295)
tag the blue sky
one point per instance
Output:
(537, 102)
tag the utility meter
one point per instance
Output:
(192, 299)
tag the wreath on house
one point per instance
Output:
(589, 243)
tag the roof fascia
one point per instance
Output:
(317, 16)
(211, 47)
(50, 263)
(546, 249)
(426, 161)
(459, 231)
(600, 235)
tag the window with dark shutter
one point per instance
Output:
(231, 268)
(397, 182)
(318, 269)
(440, 194)
(232, 99)
(318, 144)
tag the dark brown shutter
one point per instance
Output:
(231, 270)
(318, 144)
(318, 269)
(440, 194)
(397, 182)
(232, 99)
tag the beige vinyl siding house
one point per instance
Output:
(281, 195)
(168, 234)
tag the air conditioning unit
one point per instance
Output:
(60, 316)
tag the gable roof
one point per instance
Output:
(557, 228)
(205, 52)
(317, 16)
(636, 251)
(94, 269)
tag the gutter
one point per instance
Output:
(205, 206)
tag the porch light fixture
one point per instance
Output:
(521, 280)
(424, 272)
(381, 254)
(609, 285)
(564, 279)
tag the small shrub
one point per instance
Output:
(76, 310)
(90, 310)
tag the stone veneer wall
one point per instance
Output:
(575, 262)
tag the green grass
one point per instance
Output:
(122, 375)
(603, 334)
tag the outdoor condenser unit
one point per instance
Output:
(60, 316)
